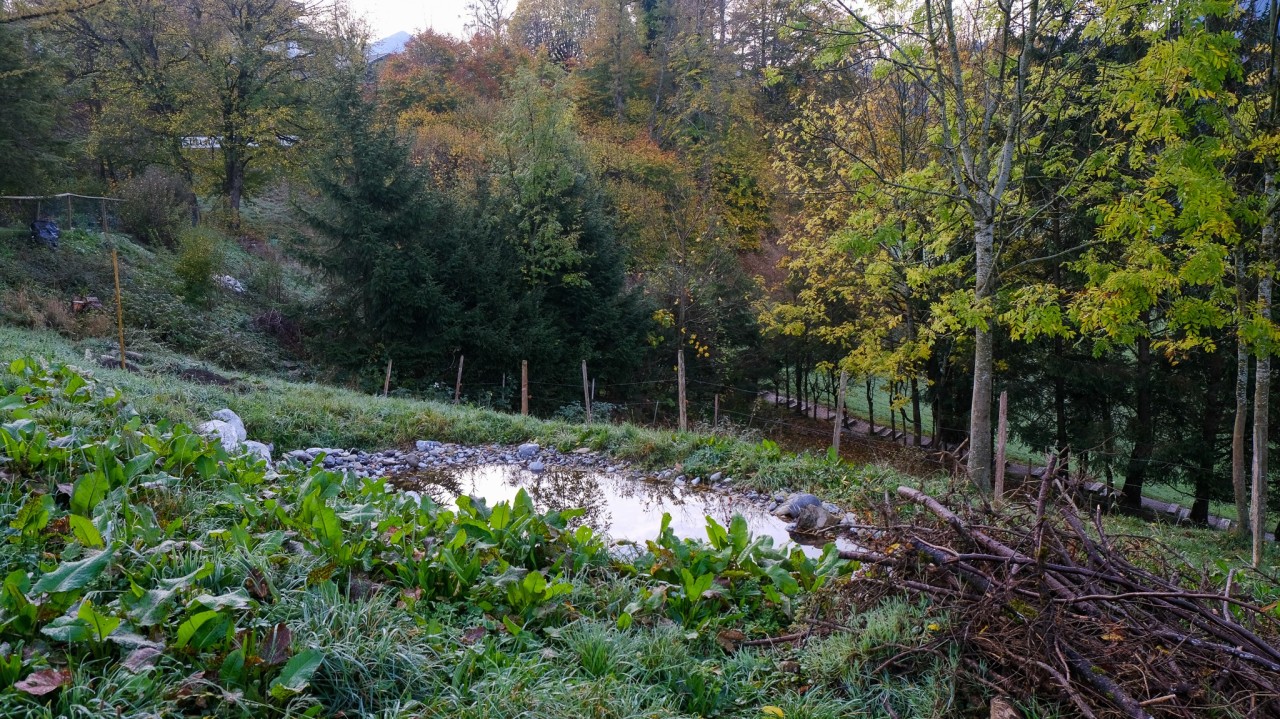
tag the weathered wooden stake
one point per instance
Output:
(835, 438)
(457, 388)
(386, 383)
(586, 391)
(684, 416)
(524, 387)
(716, 421)
(115, 265)
(1002, 437)
(68, 212)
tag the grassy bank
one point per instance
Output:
(299, 415)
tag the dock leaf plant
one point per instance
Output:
(170, 577)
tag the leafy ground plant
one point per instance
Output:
(147, 572)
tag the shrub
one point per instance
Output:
(155, 206)
(199, 259)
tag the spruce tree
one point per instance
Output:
(381, 233)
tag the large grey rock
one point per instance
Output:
(426, 445)
(536, 466)
(527, 451)
(226, 427)
(792, 505)
(262, 451)
(813, 518)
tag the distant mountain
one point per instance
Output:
(389, 45)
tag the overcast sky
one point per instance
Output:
(387, 17)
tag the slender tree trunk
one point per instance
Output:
(1239, 482)
(983, 363)
(1210, 421)
(915, 409)
(1144, 433)
(1262, 383)
(871, 408)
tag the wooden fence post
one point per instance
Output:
(524, 387)
(835, 438)
(1002, 436)
(586, 392)
(68, 211)
(115, 265)
(386, 383)
(684, 416)
(457, 388)
(716, 421)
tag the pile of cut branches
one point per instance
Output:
(1041, 601)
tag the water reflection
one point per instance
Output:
(623, 508)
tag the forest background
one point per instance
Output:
(1071, 201)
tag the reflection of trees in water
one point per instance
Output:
(441, 485)
(559, 488)
(599, 495)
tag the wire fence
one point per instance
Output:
(67, 210)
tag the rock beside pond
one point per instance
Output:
(426, 445)
(527, 450)
(537, 467)
(258, 449)
(813, 518)
(791, 506)
(226, 427)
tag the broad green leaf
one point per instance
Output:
(237, 599)
(153, 607)
(87, 492)
(67, 629)
(33, 517)
(295, 675)
(328, 527)
(202, 630)
(70, 576)
(100, 625)
(85, 532)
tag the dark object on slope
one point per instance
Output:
(46, 231)
(204, 376)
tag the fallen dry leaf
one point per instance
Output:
(44, 681)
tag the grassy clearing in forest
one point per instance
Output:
(299, 415)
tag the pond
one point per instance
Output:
(627, 510)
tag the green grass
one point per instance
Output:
(299, 415)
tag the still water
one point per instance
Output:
(623, 508)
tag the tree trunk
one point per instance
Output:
(1262, 383)
(1239, 484)
(1144, 433)
(871, 408)
(983, 363)
(915, 409)
(1210, 421)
